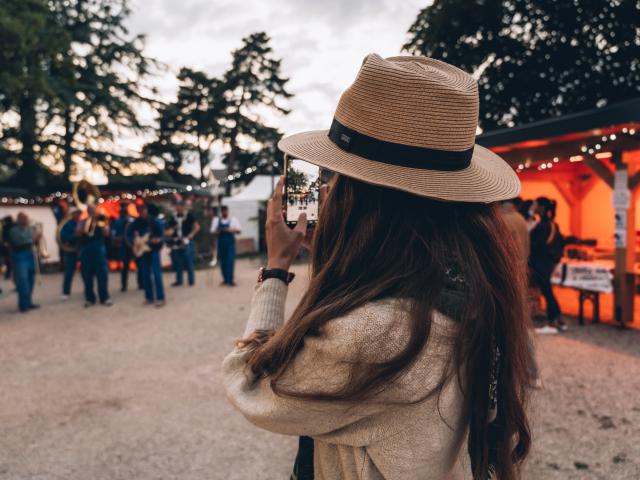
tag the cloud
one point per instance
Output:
(321, 43)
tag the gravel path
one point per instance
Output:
(133, 392)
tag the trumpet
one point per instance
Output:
(40, 242)
(93, 222)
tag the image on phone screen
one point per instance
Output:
(302, 189)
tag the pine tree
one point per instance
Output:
(101, 97)
(192, 122)
(254, 80)
(32, 46)
(536, 59)
(73, 76)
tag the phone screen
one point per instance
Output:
(302, 190)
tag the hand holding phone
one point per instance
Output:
(302, 191)
(283, 243)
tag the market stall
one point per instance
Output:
(590, 163)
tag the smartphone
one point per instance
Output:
(302, 190)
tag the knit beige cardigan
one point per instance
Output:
(386, 437)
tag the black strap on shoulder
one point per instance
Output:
(303, 468)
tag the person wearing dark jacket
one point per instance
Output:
(544, 260)
(70, 251)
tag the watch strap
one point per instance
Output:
(278, 273)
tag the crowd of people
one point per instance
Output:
(136, 240)
(541, 244)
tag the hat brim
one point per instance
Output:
(487, 179)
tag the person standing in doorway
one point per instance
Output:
(147, 231)
(69, 242)
(182, 230)
(125, 255)
(21, 239)
(225, 228)
(92, 232)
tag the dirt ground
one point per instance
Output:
(133, 392)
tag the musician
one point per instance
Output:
(5, 246)
(182, 229)
(92, 233)
(225, 228)
(21, 239)
(70, 254)
(122, 241)
(149, 229)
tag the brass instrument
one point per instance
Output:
(85, 194)
(40, 242)
(68, 247)
(93, 222)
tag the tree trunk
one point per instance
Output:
(231, 162)
(29, 168)
(68, 138)
(203, 156)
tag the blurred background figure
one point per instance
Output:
(517, 226)
(5, 246)
(147, 231)
(93, 232)
(69, 249)
(21, 239)
(225, 228)
(123, 246)
(181, 231)
(547, 245)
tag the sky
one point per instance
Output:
(321, 43)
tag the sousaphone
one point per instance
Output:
(84, 194)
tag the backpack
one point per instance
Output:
(556, 243)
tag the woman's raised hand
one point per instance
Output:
(283, 243)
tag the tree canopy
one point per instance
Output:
(536, 59)
(71, 77)
(228, 110)
(73, 81)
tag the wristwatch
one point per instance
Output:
(278, 273)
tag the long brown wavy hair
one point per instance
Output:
(372, 243)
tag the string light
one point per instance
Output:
(116, 197)
(595, 150)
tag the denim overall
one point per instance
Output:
(226, 251)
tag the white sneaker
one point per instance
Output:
(546, 330)
(64, 297)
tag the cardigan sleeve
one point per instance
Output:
(322, 366)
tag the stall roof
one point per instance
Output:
(563, 136)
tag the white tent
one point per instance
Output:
(245, 206)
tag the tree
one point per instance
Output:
(254, 80)
(103, 85)
(71, 76)
(32, 46)
(192, 122)
(297, 181)
(535, 58)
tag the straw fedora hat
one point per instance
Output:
(409, 123)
